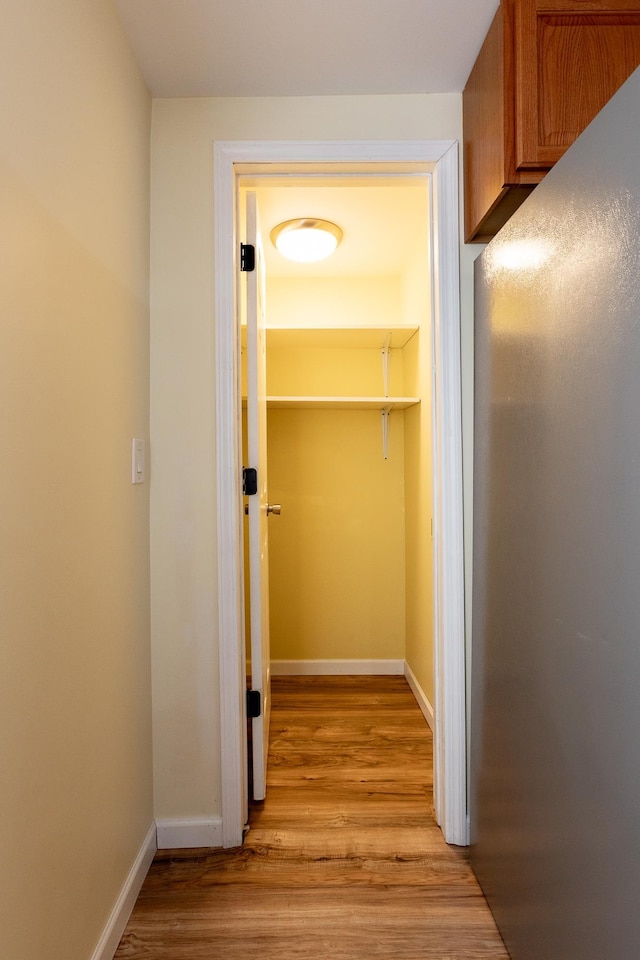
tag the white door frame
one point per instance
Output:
(439, 159)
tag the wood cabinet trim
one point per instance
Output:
(544, 71)
(483, 106)
(570, 57)
(526, 85)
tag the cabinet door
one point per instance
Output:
(571, 57)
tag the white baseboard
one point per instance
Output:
(182, 833)
(420, 695)
(336, 668)
(112, 933)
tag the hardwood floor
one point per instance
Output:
(343, 859)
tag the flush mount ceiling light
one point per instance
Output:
(306, 239)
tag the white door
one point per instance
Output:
(258, 505)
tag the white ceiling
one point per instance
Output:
(252, 48)
(233, 48)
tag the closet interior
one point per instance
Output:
(349, 429)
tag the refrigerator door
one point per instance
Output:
(555, 749)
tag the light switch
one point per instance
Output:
(137, 461)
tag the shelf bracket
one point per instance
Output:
(386, 358)
(385, 431)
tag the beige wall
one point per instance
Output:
(75, 801)
(184, 625)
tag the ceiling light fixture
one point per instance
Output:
(306, 239)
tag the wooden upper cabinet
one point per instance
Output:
(544, 71)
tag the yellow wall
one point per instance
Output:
(184, 620)
(330, 301)
(75, 741)
(332, 371)
(336, 553)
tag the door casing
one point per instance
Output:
(438, 159)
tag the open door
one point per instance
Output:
(258, 505)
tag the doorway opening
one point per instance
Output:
(435, 167)
(348, 457)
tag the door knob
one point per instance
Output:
(274, 508)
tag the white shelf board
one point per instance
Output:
(342, 403)
(362, 338)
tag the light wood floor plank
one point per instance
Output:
(343, 860)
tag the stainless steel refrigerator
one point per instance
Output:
(555, 701)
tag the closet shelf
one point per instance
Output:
(342, 403)
(344, 337)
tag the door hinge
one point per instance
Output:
(254, 704)
(247, 257)
(249, 481)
